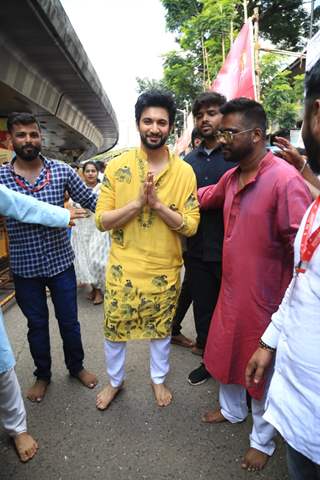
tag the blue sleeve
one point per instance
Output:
(79, 192)
(25, 208)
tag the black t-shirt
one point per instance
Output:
(207, 242)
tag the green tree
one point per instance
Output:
(285, 22)
(281, 94)
(204, 30)
(274, 16)
(144, 84)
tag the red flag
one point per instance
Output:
(236, 77)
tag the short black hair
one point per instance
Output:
(100, 165)
(312, 82)
(206, 99)
(252, 111)
(195, 134)
(20, 118)
(156, 98)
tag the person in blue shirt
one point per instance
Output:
(12, 411)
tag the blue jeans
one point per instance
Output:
(32, 299)
(301, 467)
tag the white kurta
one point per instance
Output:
(293, 404)
(91, 248)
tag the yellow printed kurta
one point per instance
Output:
(143, 271)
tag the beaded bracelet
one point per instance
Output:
(266, 347)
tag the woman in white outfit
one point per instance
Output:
(91, 247)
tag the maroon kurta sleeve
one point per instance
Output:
(293, 200)
(213, 196)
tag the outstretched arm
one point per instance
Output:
(25, 208)
(213, 196)
(291, 155)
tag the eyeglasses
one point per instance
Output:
(228, 135)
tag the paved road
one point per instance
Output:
(134, 439)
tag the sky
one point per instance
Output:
(123, 39)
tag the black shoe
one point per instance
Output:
(199, 375)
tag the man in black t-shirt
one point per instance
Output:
(203, 256)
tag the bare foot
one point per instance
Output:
(254, 460)
(91, 294)
(197, 351)
(182, 340)
(87, 379)
(98, 298)
(38, 390)
(214, 417)
(105, 397)
(26, 446)
(162, 394)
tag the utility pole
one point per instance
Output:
(311, 19)
(245, 10)
(231, 33)
(256, 50)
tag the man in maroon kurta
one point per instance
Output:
(263, 201)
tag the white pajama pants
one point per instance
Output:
(115, 356)
(12, 411)
(233, 403)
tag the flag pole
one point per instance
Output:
(257, 71)
(245, 10)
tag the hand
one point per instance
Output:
(152, 198)
(142, 199)
(76, 213)
(289, 153)
(257, 366)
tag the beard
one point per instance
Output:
(153, 146)
(312, 148)
(210, 133)
(237, 155)
(27, 152)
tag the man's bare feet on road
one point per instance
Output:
(38, 390)
(26, 446)
(88, 379)
(107, 394)
(182, 340)
(254, 460)
(98, 297)
(214, 417)
(162, 394)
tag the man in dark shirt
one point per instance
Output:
(204, 250)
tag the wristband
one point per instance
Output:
(303, 166)
(266, 347)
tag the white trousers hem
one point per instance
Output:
(12, 411)
(115, 357)
(234, 408)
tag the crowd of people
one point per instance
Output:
(251, 262)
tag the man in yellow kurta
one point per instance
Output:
(148, 200)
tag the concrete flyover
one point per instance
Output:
(45, 70)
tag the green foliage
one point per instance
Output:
(281, 94)
(204, 30)
(144, 84)
(285, 22)
(181, 76)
